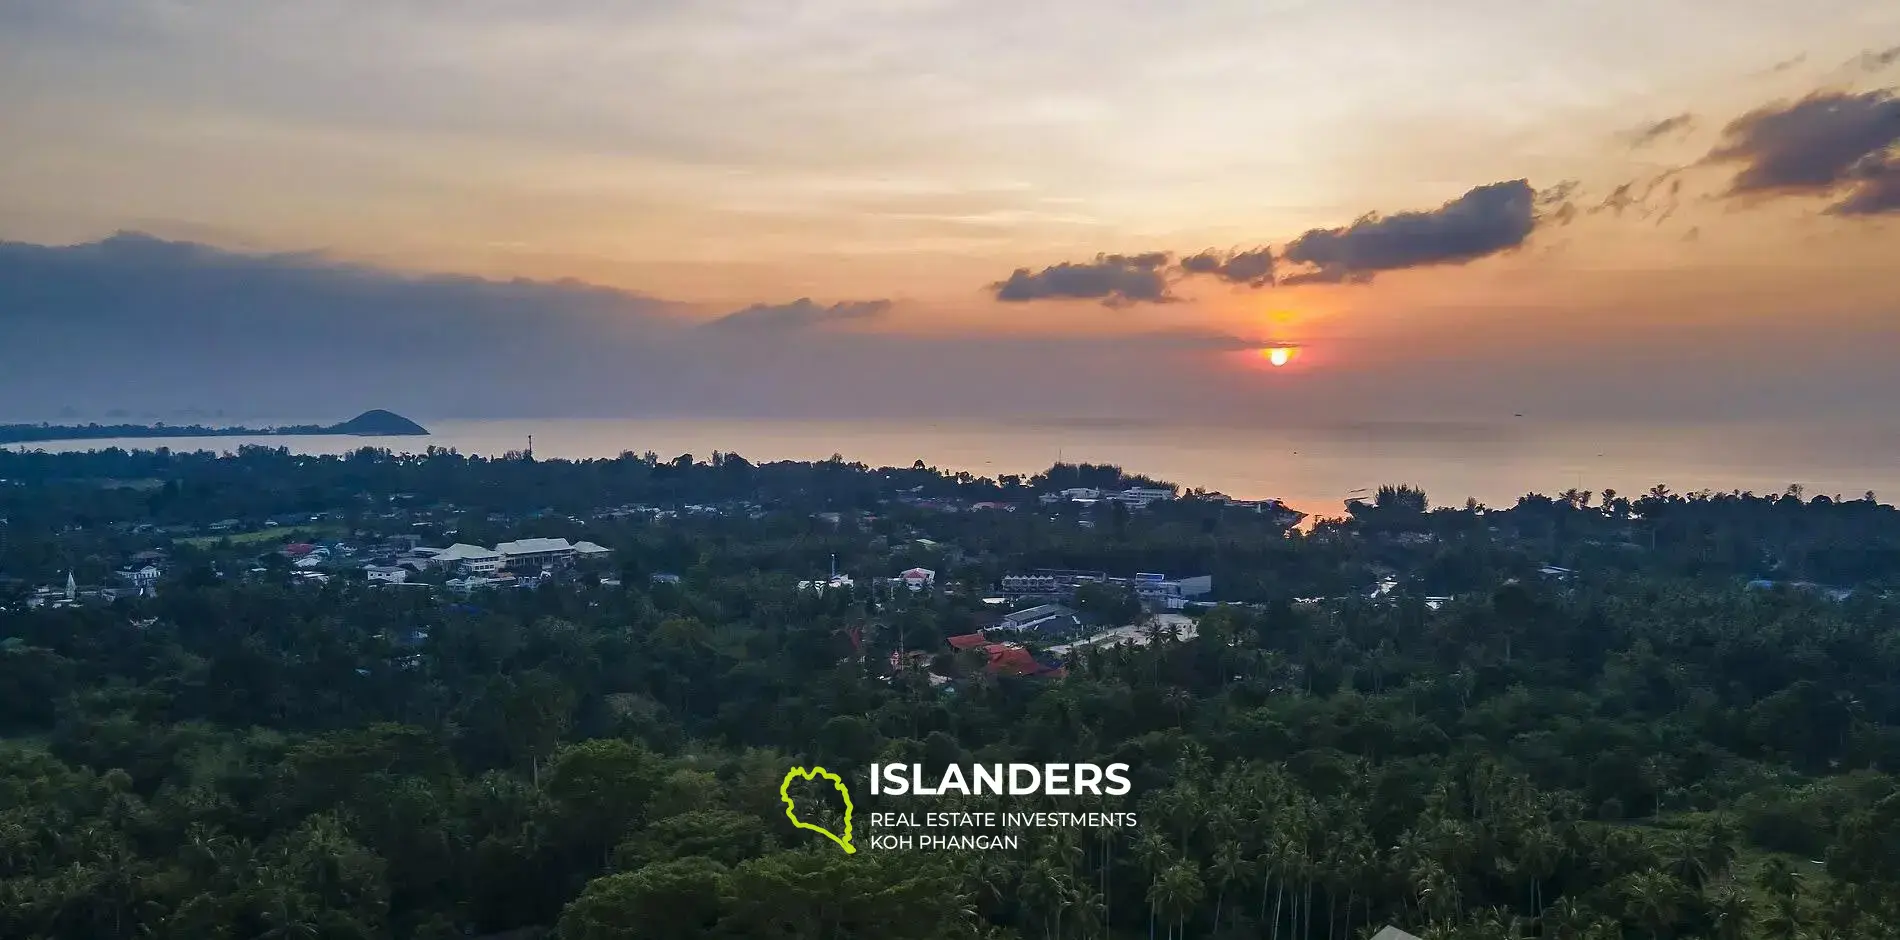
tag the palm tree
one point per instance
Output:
(1179, 890)
(1564, 920)
(1778, 879)
(1229, 868)
(1542, 851)
(1729, 909)
(1655, 900)
(1437, 891)
(1152, 854)
(1784, 922)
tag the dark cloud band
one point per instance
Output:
(1485, 221)
(1112, 279)
(1253, 268)
(1827, 144)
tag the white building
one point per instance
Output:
(918, 579)
(472, 558)
(142, 580)
(1048, 617)
(1074, 494)
(1137, 497)
(474, 581)
(836, 581)
(591, 550)
(535, 552)
(394, 574)
(1031, 585)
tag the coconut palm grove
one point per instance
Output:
(1589, 716)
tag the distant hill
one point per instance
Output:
(373, 423)
(379, 423)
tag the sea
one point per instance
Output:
(1314, 468)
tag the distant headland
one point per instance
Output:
(373, 423)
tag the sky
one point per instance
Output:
(1629, 209)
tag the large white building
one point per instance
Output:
(471, 558)
(1136, 497)
(535, 552)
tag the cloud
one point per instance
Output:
(1786, 64)
(134, 319)
(1667, 127)
(1827, 144)
(1876, 190)
(800, 314)
(1253, 268)
(1876, 61)
(163, 328)
(1656, 196)
(1115, 280)
(1484, 221)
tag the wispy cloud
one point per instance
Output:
(1872, 61)
(800, 314)
(1673, 126)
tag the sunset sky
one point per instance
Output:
(1619, 205)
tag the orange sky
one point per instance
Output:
(727, 153)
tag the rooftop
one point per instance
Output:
(1036, 613)
(536, 546)
(462, 551)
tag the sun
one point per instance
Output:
(1278, 355)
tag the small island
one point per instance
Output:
(373, 423)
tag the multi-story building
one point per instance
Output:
(1051, 583)
(142, 580)
(471, 558)
(1137, 497)
(1160, 591)
(533, 553)
(386, 574)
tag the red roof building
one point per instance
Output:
(299, 549)
(1005, 659)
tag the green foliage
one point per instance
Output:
(1616, 755)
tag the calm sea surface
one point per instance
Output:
(1313, 468)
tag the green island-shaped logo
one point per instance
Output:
(791, 808)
